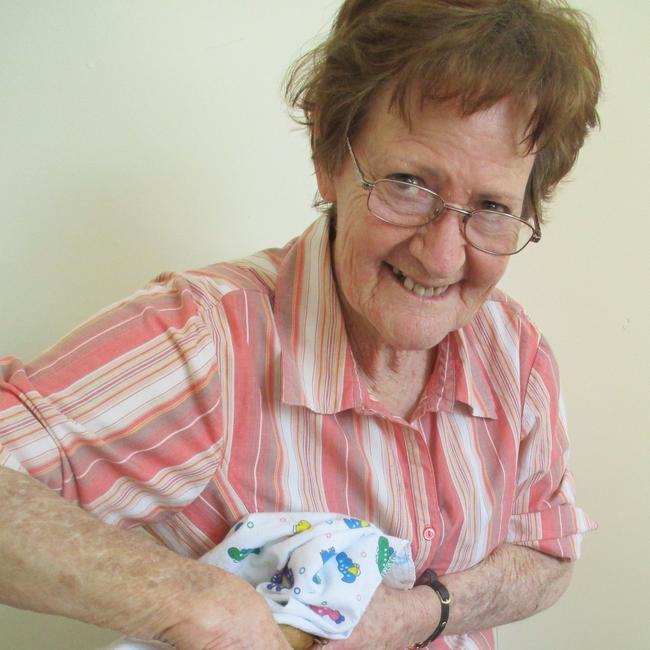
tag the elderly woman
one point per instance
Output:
(370, 367)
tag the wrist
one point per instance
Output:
(157, 593)
(215, 604)
(427, 610)
(188, 598)
(430, 579)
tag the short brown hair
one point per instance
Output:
(472, 52)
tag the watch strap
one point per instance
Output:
(430, 578)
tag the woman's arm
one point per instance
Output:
(57, 559)
(512, 583)
(96, 419)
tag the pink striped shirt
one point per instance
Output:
(233, 389)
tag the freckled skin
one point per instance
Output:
(466, 160)
(58, 559)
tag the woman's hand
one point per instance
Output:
(393, 620)
(222, 612)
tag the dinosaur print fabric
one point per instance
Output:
(317, 571)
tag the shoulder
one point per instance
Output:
(506, 320)
(211, 285)
(502, 330)
(501, 353)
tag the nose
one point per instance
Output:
(440, 246)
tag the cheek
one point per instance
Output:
(358, 248)
(485, 271)
(352, 264)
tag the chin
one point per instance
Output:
(415, 340)
(421, 345)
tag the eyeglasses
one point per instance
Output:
(407, 205)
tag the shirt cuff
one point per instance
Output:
(557, 531)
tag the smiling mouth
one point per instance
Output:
(414, 287)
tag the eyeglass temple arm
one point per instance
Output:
(537, 229)
(367, 185)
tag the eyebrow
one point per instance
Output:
(407, 166)
(496, 195)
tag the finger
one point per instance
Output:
(296, 638)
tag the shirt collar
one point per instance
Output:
(318, 369)
(472, 377)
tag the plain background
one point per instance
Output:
(145, 136)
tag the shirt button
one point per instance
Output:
(428, 533)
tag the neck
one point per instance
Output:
(395, 377)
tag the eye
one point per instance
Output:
(407, 178)
(495, 207)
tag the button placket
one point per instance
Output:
(428, 524)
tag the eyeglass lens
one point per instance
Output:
(405, 204)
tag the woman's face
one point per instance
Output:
(474, 161)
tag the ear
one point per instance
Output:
(326, 186)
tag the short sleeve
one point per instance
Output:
(122, 416)
(544, 515)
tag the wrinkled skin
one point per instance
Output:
(393, 620)
(228, 615)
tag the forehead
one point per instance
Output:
(500, 128)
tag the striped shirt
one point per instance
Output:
(233, 389)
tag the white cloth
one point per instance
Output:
(317, 571)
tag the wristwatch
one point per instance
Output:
(430, 578)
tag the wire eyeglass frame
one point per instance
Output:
(369, 186)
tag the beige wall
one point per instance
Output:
(142, 136)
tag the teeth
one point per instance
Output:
(416, 288)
